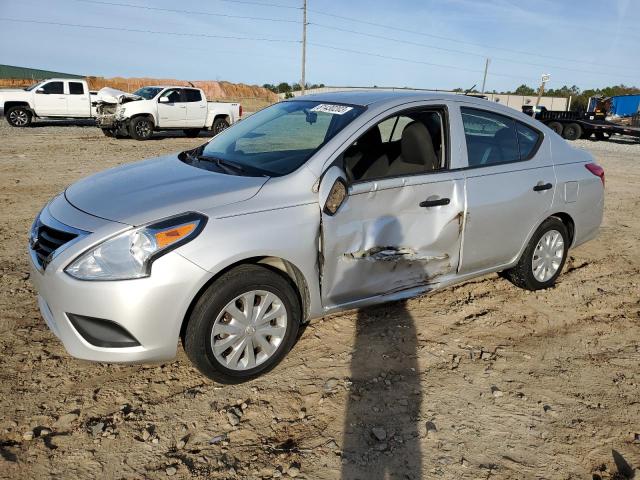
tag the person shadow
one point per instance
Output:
(381, 433)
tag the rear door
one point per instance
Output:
(51, 100)
(196, 107)
(78, 104)
(400, 225)
(172, 114)
(510, 184)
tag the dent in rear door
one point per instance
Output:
(381, 241)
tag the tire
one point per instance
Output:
(556, 127)
(219, 125)
(108, 132)
(572, 131)
(19, 117)
(192, 132)
(522, 275)
(141, 128)
(210, 310)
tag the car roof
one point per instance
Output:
(370, 97)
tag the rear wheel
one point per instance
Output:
(141, 128)
(192, 132)
(543, 259)
(19, 116)
(556, 127)
(219, 125)
(572, 131)
(243, 324)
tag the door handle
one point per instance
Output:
(435, 203)
(182, 106)
(542, 186)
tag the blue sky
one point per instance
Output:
(434, 43)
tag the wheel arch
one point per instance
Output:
(568, 222)
(148, 115)
(11, 104)
(283, 267)
(224, 116)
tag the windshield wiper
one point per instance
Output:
(223, 164)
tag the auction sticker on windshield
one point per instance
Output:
(330, 108)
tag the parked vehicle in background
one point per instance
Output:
(311, 206)
(162, 108)
(574, 125)
(52, 98)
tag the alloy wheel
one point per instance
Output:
(19, 118)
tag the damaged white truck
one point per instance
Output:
(153, 108)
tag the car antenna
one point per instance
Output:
(467, 91)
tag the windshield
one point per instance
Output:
(31, 87)
(147, 92)
(279, 139)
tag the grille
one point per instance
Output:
(47, 241)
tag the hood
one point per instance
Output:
(147, 191)
(113, 95)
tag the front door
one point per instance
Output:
(78, 100)
(51, 100)
(510, 187)
(400, 226)
(173, 113)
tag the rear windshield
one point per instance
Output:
(279, 139)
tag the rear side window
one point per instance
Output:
(192, 95)
(76, 88)
(55, 88)
(528, 140)
(494, 139)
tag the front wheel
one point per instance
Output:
(141, 128)
(543, 259)
(19, 116)
(243, 324)
(219, 125)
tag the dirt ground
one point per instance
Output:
(482, 380)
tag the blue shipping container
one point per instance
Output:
(625, 105)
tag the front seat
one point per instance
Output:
(417, 155)
(359, 158)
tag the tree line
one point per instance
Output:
(287, 89)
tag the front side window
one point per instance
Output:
(53, 88)
(275, 141)
(406, 144)
(493, 139)
(192, 95)
(76, 88)
(173, 95)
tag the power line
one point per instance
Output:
(463, 42)
(275, 5)
(189, 12)
(408, 60)
(154, 32)
(462, 52)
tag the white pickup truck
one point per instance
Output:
(161, 108)
(52, 98)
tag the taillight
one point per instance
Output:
(240, 111)
(597, 170)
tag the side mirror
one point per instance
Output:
(41, 90)
(333, 190)
(163, 100)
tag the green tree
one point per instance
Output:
(524, 90)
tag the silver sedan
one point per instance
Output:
(311, 206)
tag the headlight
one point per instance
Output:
(130, 254)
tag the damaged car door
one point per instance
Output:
(394, 223)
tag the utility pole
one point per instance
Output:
(545, 78)
(304, 43)
(484, 79)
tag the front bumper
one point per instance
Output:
(151, 309)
